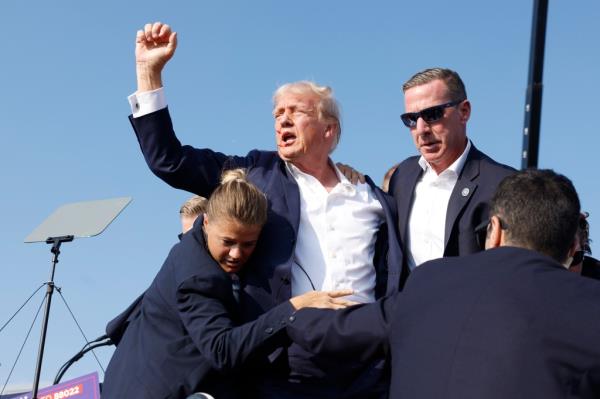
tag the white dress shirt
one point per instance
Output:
(336, 237)
(427, 221)
(338, 229)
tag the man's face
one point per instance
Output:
(230, 243)
(443, 141)
(187, 222)
(302, 138)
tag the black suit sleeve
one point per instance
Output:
(358, 333)
(181, 166)
(200, 302)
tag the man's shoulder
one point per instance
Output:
(488, 165)
(409, 162)
(407, 167)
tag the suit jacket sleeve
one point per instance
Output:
(181, 166)
(358, 332)
(201, 304)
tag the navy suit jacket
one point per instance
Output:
(182, 335)
(469, 202)
(199, 171)
(503, 323)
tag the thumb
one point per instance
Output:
(172, 45)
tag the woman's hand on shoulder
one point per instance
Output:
(323, 300)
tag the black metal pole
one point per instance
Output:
(56, 242)
(533, 102)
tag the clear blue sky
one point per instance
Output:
(67, 67)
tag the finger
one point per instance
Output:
(340, 293)
(361, 178)
(155, 29)
(344, 302)
(140, 37)
(165, 31)
(148, 32)
(336, 306)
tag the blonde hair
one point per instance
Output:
(238, 199)
(193, 206)
(327, 108)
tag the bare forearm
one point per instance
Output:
(148, 78)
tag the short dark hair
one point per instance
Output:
(540, 211)
(455, 85)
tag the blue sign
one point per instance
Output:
(84, 387)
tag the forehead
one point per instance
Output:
(235, 230)
(294, 99)
(426, 95)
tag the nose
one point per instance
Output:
(286, 119)
(421, 124)
(235, 252)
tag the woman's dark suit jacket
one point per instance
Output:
(181, 336)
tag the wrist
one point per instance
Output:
(148, 77)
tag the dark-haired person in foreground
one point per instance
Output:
(509, 322)
(184, 334)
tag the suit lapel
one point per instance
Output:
(463, 191)
(406, 185)
(291, 193)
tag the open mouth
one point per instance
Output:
(430, 146)
(288, 138)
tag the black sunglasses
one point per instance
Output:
(431, 114)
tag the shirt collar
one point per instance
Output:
(456, 166)
(298, 174)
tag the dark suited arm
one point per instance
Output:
(359, 332)
(184, 167)
(208, 322)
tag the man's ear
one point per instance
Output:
(495, 235)
(205, 222)
(331, 130)
(465, 111)
(572, 249)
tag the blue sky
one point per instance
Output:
(67, 67)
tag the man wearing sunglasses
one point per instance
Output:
(443, 194)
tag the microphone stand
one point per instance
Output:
(56, 242)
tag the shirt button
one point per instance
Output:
(269, 330)
(292, 318)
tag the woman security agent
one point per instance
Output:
(182, 335)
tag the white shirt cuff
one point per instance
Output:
(147, 102)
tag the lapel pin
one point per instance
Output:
(464, 192)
